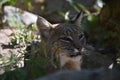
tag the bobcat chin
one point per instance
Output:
(65, 40)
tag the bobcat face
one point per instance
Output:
(66, 38)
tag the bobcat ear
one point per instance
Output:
(43, 23)
(44, 27)
(77, 19)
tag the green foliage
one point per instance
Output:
(78, 6)
(91, 24)
(12, 2)
(2, 2)
(22, 37)
(36, 67)
(29, 4)
(10, 63)
(24, 34)
(17, 74)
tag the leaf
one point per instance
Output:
(1, 56)
(2, 2)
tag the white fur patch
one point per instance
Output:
(76, 50)
(64, 59)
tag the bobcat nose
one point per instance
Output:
(79, 44)
(78, 47)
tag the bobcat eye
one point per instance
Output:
(67, 39)
(81, 35)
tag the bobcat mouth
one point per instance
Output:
(75, 53)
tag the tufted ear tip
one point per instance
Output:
(78, 19)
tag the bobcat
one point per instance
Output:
(65, 40)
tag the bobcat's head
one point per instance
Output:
(66, 39)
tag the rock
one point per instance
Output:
(18, 15)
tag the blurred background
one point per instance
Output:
(19, 39)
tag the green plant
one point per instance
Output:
(7, 64)
(22, 36)
(12, 2)
(17, 74)
(78, 6)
